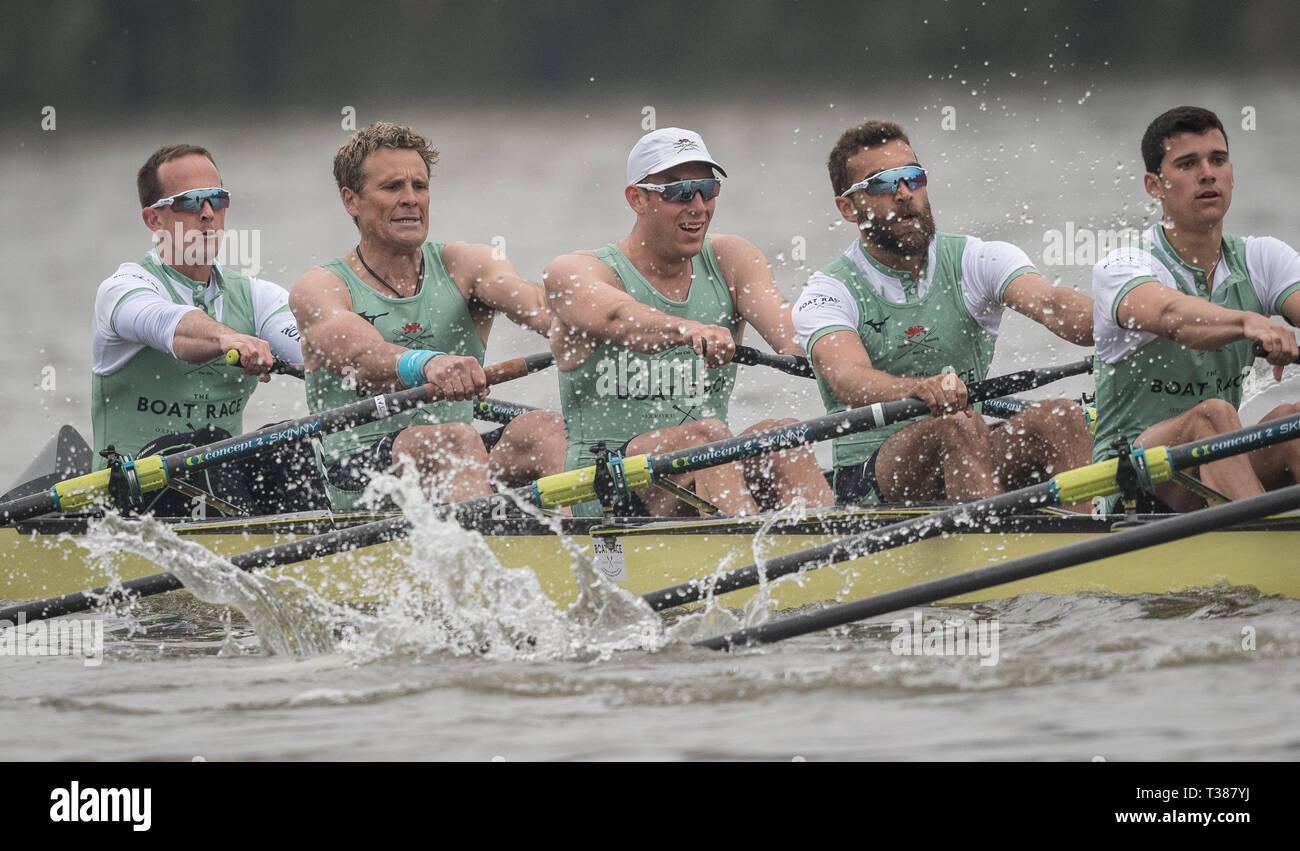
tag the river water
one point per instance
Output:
(290, 678)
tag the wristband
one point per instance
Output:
(410, 366)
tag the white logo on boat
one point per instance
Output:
(83, 637)
(922, 636)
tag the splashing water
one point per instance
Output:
(1259, 381)
(447, 594)
(288, 618)
(713, 619)
(456, 596)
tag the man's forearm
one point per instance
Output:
(642, 328)
(198, 337)
(860, 386)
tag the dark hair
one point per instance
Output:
(1182, 119)
(146, 181)
(872, 134)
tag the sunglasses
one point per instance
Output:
(684, 190)
(193, 201)
(886, 182)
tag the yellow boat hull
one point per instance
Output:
(36, 562)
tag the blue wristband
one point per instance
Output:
(410, 366)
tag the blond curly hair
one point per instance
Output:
(351, 157)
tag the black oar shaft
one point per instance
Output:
(791, 364)
(1112, 544)
(845, 422)
(908, 531)
(499, 411)
(847, 549)
(1247, 439)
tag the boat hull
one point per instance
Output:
(43, 559)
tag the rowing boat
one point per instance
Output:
(42, 557)
(833, 555)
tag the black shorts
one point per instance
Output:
(353, 472)
(858, 483)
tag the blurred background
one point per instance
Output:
(1028, 115)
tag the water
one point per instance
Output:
(500, 673)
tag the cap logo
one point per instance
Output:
(685, 145)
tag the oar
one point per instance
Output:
(1113, 544)
(1158, 464)
(1001, 407)
(792, 364)
(1006, 407)
(563, 488)
(500, 411)
(640, 470)
(278, 366)
(152, 473)
(1257, 349)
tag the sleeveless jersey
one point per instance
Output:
(617, 394)
(436, 318)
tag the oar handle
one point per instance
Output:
(792, 364)
(508, 370)
(1257, 349)
(278, 366)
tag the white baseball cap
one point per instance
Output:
(662, 149)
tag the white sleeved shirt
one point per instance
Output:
(133, 309)
(987, 268)
(1272, 266)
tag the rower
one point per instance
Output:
(909, 312)
(162, 329)
(1178, 312)
(399, 311)
(645, 330)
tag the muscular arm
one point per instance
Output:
(1061, 310)
(1198, 324)
(493, 281)
(840, 358)
(592, 307)
(199, 338)
(338, 339)
(754, 292)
